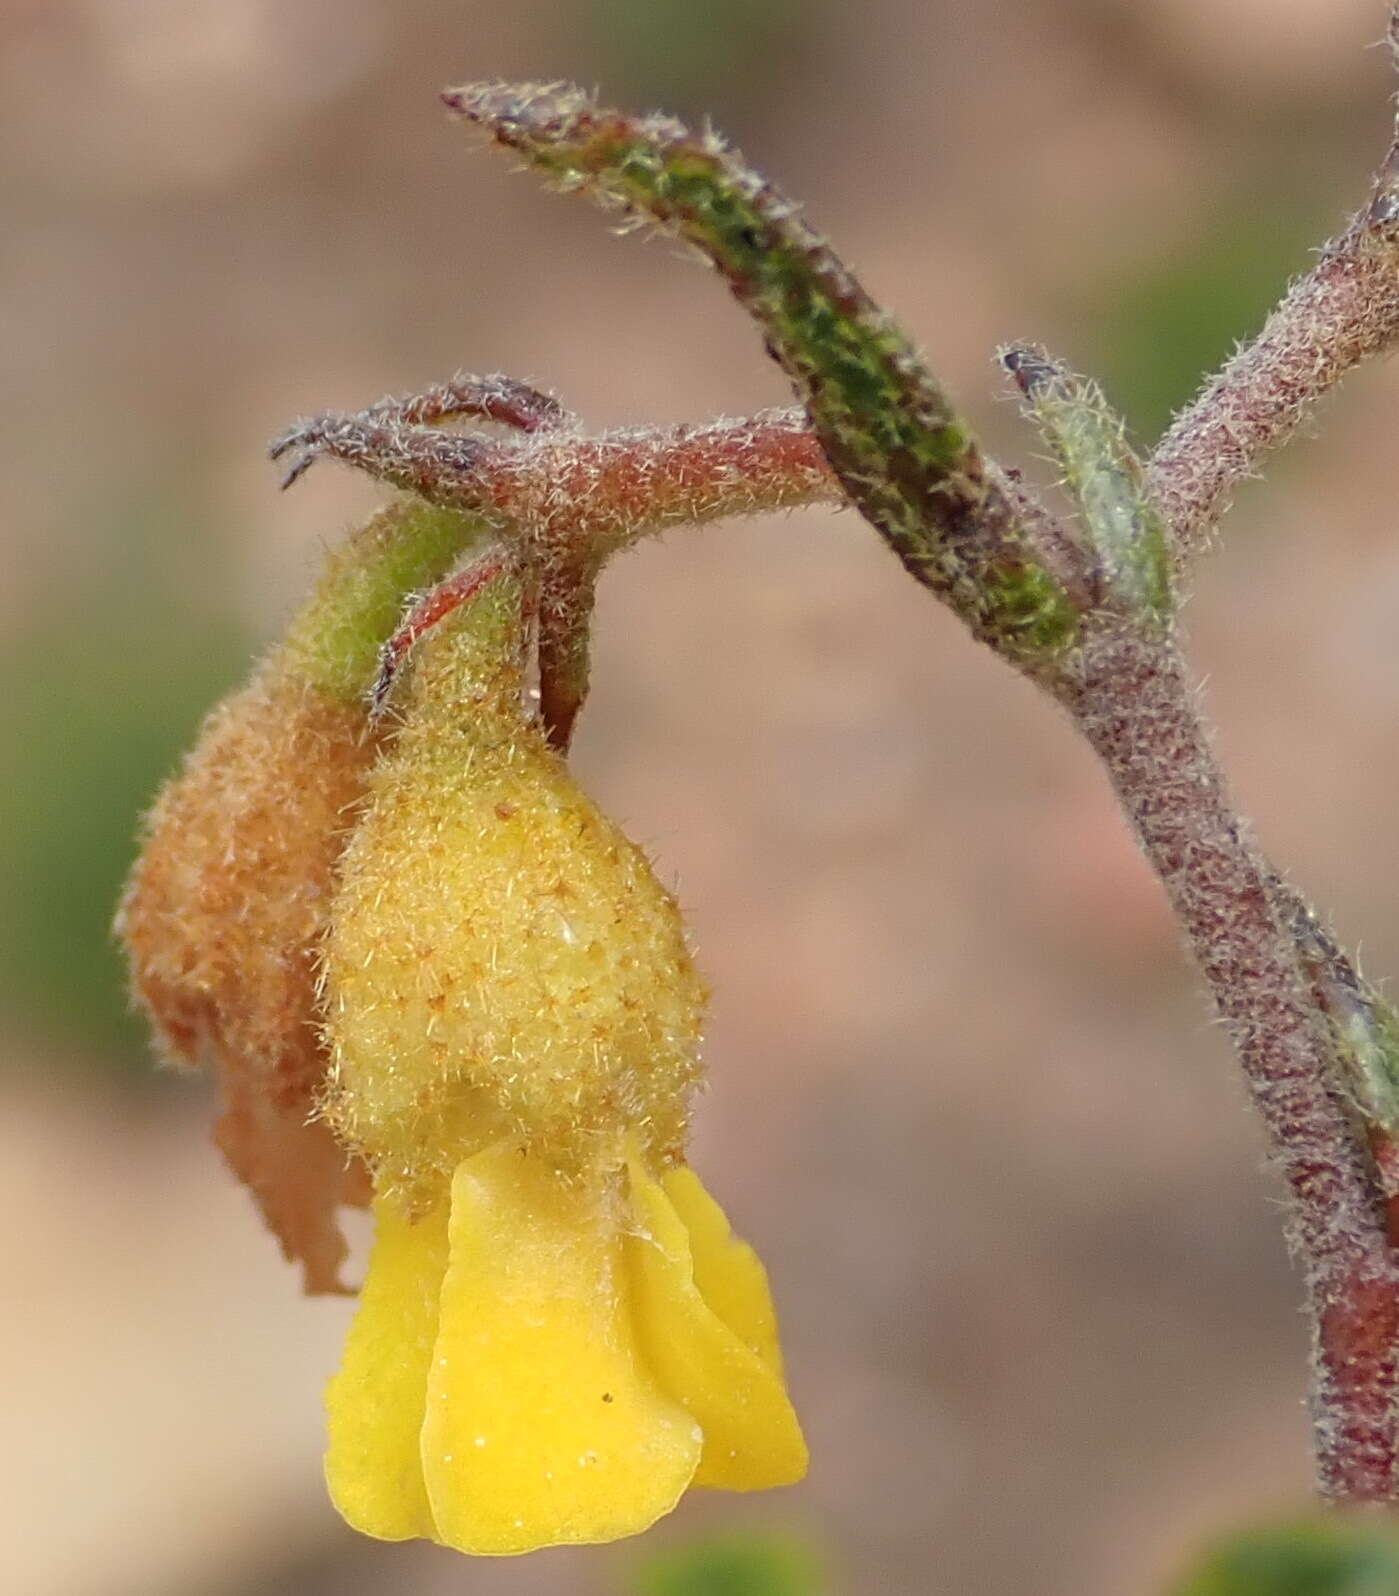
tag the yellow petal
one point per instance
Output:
(751, 1436)
(728, 1274)
(543, 1426)
(375, 1404)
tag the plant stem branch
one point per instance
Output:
(1135, 706)
(1340, 313)
(564, 491)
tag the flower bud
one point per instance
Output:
(222, 918)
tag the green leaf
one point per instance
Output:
(1107, 480)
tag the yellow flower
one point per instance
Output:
(558, 1332)
(539, 1362)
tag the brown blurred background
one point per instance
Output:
(966, 1095)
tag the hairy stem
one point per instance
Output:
(1135, 707)
(1340, 313)
(568, 493)
(1319, 1049)
(566, 596)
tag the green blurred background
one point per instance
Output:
(966, 1096)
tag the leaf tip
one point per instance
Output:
(513, 110)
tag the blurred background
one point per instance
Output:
(966, 1095)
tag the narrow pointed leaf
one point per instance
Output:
(902, 453)
(1107, 480)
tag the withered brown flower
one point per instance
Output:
(226, 908)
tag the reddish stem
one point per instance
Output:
(433, 607)
(1343, 311)
(1385, 1153)
(1134, 705)
(599, 494)
(566, 592)
(1357, 1334)
(590, 495)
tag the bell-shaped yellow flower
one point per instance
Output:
(558, 1331)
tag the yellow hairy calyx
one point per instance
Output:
(503, 960)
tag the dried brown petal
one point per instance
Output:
(223, 917)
